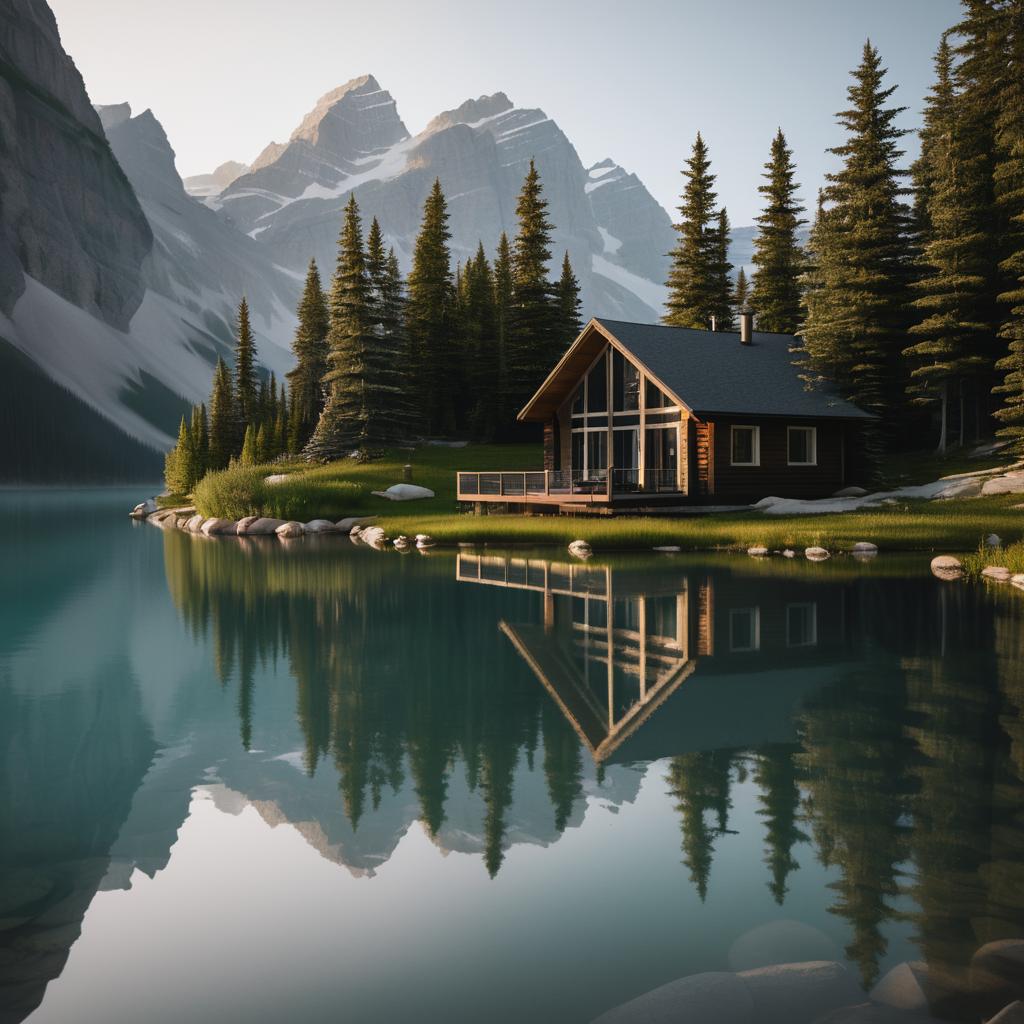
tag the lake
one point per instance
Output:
(249, 780)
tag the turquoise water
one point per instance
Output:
(249, 781)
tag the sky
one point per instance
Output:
(633, 81)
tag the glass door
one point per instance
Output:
(661, 458)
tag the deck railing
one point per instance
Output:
(533, 484)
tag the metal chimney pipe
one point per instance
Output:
(746, 327)
(714, 323)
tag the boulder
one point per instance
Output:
(374, 536)
(218, 527)
(1003, 958)
(1012, 1014)
(993, 540)
(798, 992)
(668, 548)
(781, 942)
(757, 552)
(865, 547)
(1010, 483)
(290, 530)
(946, 567)
(1018, 580)
(789, 553)
(580, 549)
(424, 540)
(242, 527)
(195, 524)
(263, 527)
(402, 543)
(851, 492)
(905, 987)
(767, 502)
(275, 478)
(404, 492)
(321, 526)
(996, 573)
(816, 554)
(144, 509)
(350, 522)
(716, 997)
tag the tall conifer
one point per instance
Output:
(741, 292)
(246, 386)
(310, 348)
(502, 314)
(567, 293)
(722, 309)
(778, 257)
(223, 419)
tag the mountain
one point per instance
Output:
(213, 184)
(354, 140)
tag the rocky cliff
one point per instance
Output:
(70, 218)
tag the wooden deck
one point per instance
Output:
(569, 490)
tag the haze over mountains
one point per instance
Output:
(119, 282)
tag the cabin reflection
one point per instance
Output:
(614, 645)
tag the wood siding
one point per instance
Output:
(550, 440)
(704, 445)
(774, 476)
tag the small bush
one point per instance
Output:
(1011, 558)
(232, 493)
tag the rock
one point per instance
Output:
(757, 552)
(242, 527)
(467, 544)
(716, 997)
(767, 502)
(668, 548)
(275, 478)
(1003, 958)
(781, 942)
(290, 530)
(219, 527)
(993, 540)
(996, 573)
(816, 554)
(195, 524)
(872, 1013)
(1010, 483)
(903, 988)
(1018, 580)
(580, 549)
(402, 543)
(263, 527)
(791, 993)
(1012, 1014)
(374, 536)
(346, 525)
(144, 509)
(321, 526)
(789, 553)
(865, 547)
(851, 492)
(946, 567)
(404, 492)
(424, 541)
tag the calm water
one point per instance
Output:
(245, 781)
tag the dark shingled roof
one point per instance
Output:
(713, 373)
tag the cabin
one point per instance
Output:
(643, 415)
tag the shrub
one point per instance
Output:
(232, 493)
(1011, 558)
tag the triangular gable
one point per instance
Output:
(570, 369)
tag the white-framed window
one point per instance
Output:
(802, 625)
(802, 446)
(745, 446)
(744, 629)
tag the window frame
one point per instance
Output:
(756, 447)
(813, 445)
(811, 606)
(754, 615)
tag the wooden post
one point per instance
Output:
(547, 483)
(610, 457)
(407, 473)
(642, 445)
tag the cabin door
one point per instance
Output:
(661, 459)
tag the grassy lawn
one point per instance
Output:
(343, 488)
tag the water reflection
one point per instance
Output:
(876, 717)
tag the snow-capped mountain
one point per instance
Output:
(355, 141)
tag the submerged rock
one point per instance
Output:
(947, 567)
(580, 549)
(996, 573)
(780, 942)
(290, 530)
(789, 993)
(715, 997)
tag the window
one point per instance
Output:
(745, 629)
(746, 446)
(577, 402)
(803, 446)
(597, 394)
(655, 398)
(625, 384)
(801, 625)
(597, 454)
(578, 441)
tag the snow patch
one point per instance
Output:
(650, 293)
(611, 244)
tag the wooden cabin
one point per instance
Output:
(641, 415)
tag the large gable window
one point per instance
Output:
(802, 445)
(625, 384)
(745, 446)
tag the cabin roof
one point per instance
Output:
(710, 372)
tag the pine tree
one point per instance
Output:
(223, 419)
(533, 341)
(855, 330)
(429, 317)
(778, 258)
(951, 289)
(200, 443)
(693, 287)
(722, 309)
(741, 292)
(568, 298)
(250, 447)
(180, 461)
(246, 389)
(310, 348)
(480, 331)
(501, 388)
(349, 417)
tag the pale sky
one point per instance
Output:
(630, 80)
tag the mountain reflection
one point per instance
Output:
(874, 718)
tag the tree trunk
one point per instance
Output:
(943, 428)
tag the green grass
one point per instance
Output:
(1010, 557)
(343, 488)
